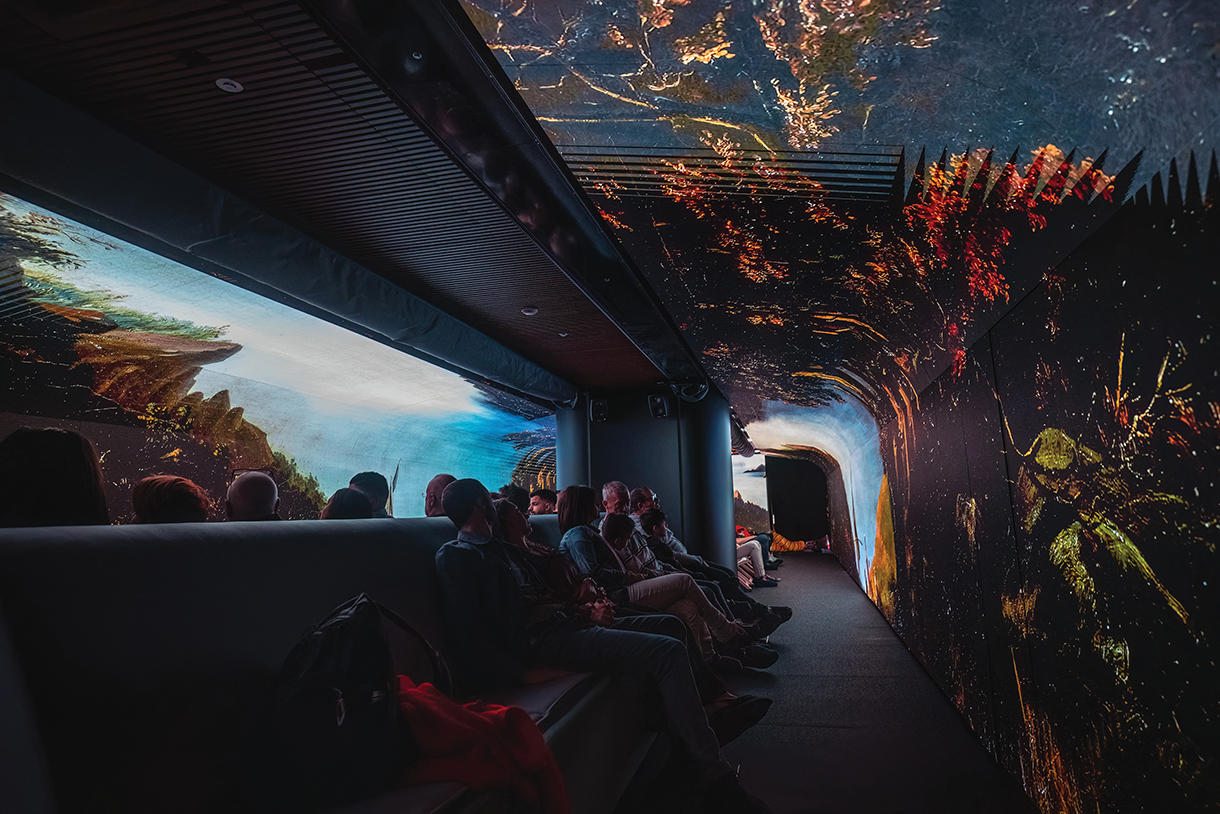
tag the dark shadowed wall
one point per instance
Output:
(796, 494)
(1054, 506)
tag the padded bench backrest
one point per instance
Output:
(147, 650)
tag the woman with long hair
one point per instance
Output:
(555, 569)
(50, 477)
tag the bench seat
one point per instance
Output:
(146, 652)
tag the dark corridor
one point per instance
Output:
(796, 494)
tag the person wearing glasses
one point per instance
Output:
(252, 496)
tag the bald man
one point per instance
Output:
(432, 495)
(252, 496)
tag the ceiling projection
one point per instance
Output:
(761, 162)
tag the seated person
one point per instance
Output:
(542, 501)
(556, 570)
(506, 628)
(614, 568)
(724, 579)
(751, 551)
(653, 523)
(615, 497)
(764, 540)
(519, 495)
(252, 495)
(347, 504)
(376, 488)
(583, 593)
(169, 499)
(50, 477)
(432, 495)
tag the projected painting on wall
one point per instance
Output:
(169, 370)
(750, 494)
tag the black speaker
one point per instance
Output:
(598, 409)
(658, 405)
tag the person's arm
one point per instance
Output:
(483, 622)
(674, 543)
(581, 546)
(689, 560)
(667, 559)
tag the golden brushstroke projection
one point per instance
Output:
(882, 576)
(679, 59)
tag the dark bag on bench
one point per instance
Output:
(334, 733)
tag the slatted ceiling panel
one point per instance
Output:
(316, 142)
(646, 171)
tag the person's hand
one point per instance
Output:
(587, 592)
(602, 613)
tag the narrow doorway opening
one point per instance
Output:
(798, 500)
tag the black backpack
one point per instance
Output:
(333, 733)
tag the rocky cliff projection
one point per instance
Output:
(169, 370)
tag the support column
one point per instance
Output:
(572, 445)
(707, 479)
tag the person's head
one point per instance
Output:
(432, 495)
(374, 487)
(577, 506)
(347, 504)
(617, 529)
(514, 524)
(169, 499)
(642, 499)
(614, 497)
(252, 496)
(50, 477)
(519, 495)
(542, 501)
(654, 522)
(468, 505)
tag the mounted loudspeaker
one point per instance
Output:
(658, 405)
(598, 409)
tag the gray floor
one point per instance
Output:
(857, 724)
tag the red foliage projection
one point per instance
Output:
(942, 258)
(961, 216)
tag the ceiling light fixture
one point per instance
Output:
(529, 310)
(229, 85)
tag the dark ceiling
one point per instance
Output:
(319, 143)
(745, 158)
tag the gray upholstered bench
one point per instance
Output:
(146, 651)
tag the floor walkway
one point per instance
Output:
(857, 725)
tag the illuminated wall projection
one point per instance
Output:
(845, 433)
(170, 370)
(750, 493)
(1008, 377)
(1023, 424)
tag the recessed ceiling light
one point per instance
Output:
(529, 310)
(229, 85)
(563, 334)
